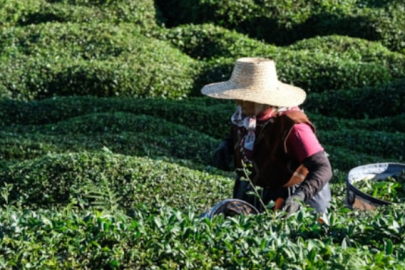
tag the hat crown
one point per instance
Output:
(255, 80)
(251, 72)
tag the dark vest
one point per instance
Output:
(272, 166)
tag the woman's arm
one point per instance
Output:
(303, 145)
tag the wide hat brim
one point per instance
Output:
(255, 80)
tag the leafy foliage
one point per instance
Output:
(105, 141)
(180, 240)
(346, 62)
(284, 22)
(188, 129)
(389, 189)
(45, 60)
(141, 13)
(367, 102)
(110, 181)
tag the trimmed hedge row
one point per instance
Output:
(367, 102)
(315, 73)
(78, 124)
(343, 159)
(123, 133)
(385, 123)
(204, 115)
(209, 116)
(103, 60)
(141, 13)
(209, 41)
(129, 134)
(356, 49)
(51, 59)
(16, 147)
(372, 142)
(316, 67)
(284, 22)
(85, 179)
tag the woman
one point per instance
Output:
(273, 142)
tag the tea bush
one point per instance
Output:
(382, 144)
(44, 60)
(314, 73)
(86, 179)
(367, 102)
(205, 115)
(386, 123)
(141, 13)
(93, 178)
(12, 11)
(182, 129)
(123, 133)
(344, 158)
(209, 41)
(284, 22)
(356, 49)
(315, 64)
(177, 239)
(208, 116)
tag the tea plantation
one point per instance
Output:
(106, 141)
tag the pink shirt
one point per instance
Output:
(302, 142)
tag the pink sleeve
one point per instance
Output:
(302, 142)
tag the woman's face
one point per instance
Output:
(250, 108)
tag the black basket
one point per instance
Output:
(357, 199)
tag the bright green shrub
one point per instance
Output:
(141, 13)
(389, 24)
(191, 146)
(4, 93)
(313, 64)
(91, 59)
(14, 11)
(215, 70)
(344, 46)
(209, 41)
(315, 73)
(90, 41)
(179, 240)
(15, 146)
(86, 178)
(206, 115)
(355, 49)
(284, 22)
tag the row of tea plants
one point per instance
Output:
(120, 183)
(106, 142)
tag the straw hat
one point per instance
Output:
(255, 80)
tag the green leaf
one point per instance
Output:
(389, 247)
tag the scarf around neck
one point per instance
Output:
(248, 124)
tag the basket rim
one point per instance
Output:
(379, 168)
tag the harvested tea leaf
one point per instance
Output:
(390, 189)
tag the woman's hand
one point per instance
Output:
(293, 203)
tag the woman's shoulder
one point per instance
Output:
(295, 115)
